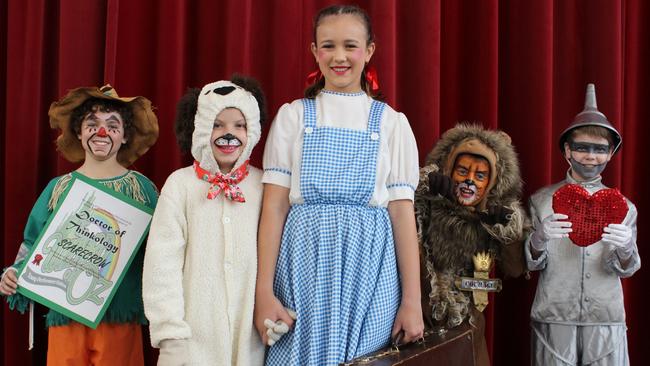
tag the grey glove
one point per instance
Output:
(173, 352)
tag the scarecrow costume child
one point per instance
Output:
(201, 261)
(107, 133)
(578, 316)
(466, 204)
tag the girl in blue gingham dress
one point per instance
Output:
(340, 173)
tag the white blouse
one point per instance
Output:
(397, 162)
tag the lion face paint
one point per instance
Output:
(471, 177)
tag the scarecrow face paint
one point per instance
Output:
(471, 175)
(228, 138)
(587, 155)
(102, 134)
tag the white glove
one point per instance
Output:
(275, 330)
(550, 228)
(620, 236)
(173, 352)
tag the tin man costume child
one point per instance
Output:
(578, 315)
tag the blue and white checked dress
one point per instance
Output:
(336, 267)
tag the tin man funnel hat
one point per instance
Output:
(591, 116)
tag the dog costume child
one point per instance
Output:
(201, 261)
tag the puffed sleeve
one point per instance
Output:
(280, 145)
(403, 176)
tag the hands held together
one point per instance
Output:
(275, 330)
(272, 320)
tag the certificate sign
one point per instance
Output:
(84, 251)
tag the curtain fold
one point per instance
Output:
(520, 66)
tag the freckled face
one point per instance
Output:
(102, 135)
(471, 176)
(341, 51)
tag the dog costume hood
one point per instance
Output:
(214, 98)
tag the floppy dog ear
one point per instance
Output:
(184, 123)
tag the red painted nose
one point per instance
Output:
(102, 132)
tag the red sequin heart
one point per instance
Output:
(589, 214)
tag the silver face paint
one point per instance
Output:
(593, 170)
(587, 172)
(589, 148)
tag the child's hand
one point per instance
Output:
(409, 320)
(173, 352)
(268, 308)
(275, 330)
(9, 282)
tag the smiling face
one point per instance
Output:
(471, 176)
(102, 134)
(341, 51)
(587, 155)
(228, 138)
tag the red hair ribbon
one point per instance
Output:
(313, 77)
(372, 79)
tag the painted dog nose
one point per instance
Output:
(102, 132)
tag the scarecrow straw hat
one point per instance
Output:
(144, 131)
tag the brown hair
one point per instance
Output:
(594, 131)
(93, 105)
(312, 90)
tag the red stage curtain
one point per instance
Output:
(520, 66)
